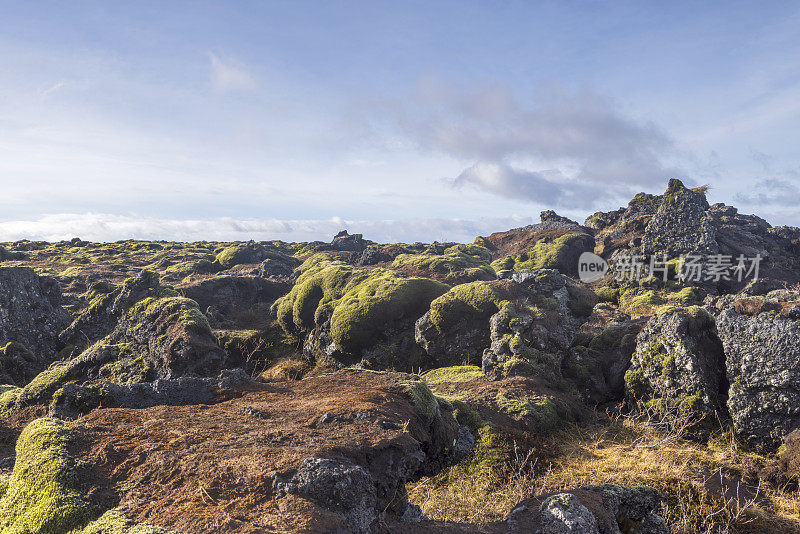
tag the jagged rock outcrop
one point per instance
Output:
(31, 316)
(762, 355)
(681, 222)
(680, 225)
(107, 305)
(679, 365)
(159, 337)
(531, 334)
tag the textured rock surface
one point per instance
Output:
(600, 509)
(601, 355)
(679, 364)
(31, 313)
(73, 400)
(108, 306)
(680, 226)
(531, 335)
(762, 353)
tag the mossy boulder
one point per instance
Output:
(560, 253)
(456, 327)
(679, 367)
(43, 495)
(158, 337)
(533, 331)
(345, 311)
(373, 303)
(456, 264)
(240, 253)
(322, 281)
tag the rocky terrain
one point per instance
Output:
(352, 386)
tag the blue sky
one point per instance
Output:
(403, 120)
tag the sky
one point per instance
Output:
(405, 121)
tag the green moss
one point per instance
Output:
(453, 265)
(201, 266)
(474, 250)
(371, 303)
(639, 304)
(115, 522)
(466, 415)
(684, 297)
(42, 494)
(458, 373)
(557, 253)
(321, 281)
(230, 256)
(4, 481)
(541, 410)
(475, 300)
(423, 398)
(635, 383)
(608, 294)
(490, 455)
(668, 366)
(42, 387)
(609, 339)
(169, 308)
(8, 398)
(86, 399)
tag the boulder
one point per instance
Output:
(679, 365)
(532, 333)
(237, 299)
(159, 337)
(601, 354)
(762, 354)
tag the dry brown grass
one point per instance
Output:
(708, 488)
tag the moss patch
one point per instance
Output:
(541, 410)
(458, 373)
(42, 494)
(475, 300)
(114, 522)
(367, 306)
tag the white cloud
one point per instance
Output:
(227, 75)
(109, 227)
(565, 146)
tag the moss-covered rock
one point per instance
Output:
(559, 253)
(457, 373)
(115, 522)
(678, 367)
(458, 264)
(540, 411)
(43, 494)
(322, 280)
(369, 305)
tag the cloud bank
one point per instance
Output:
(566, 148)
(108, 227)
